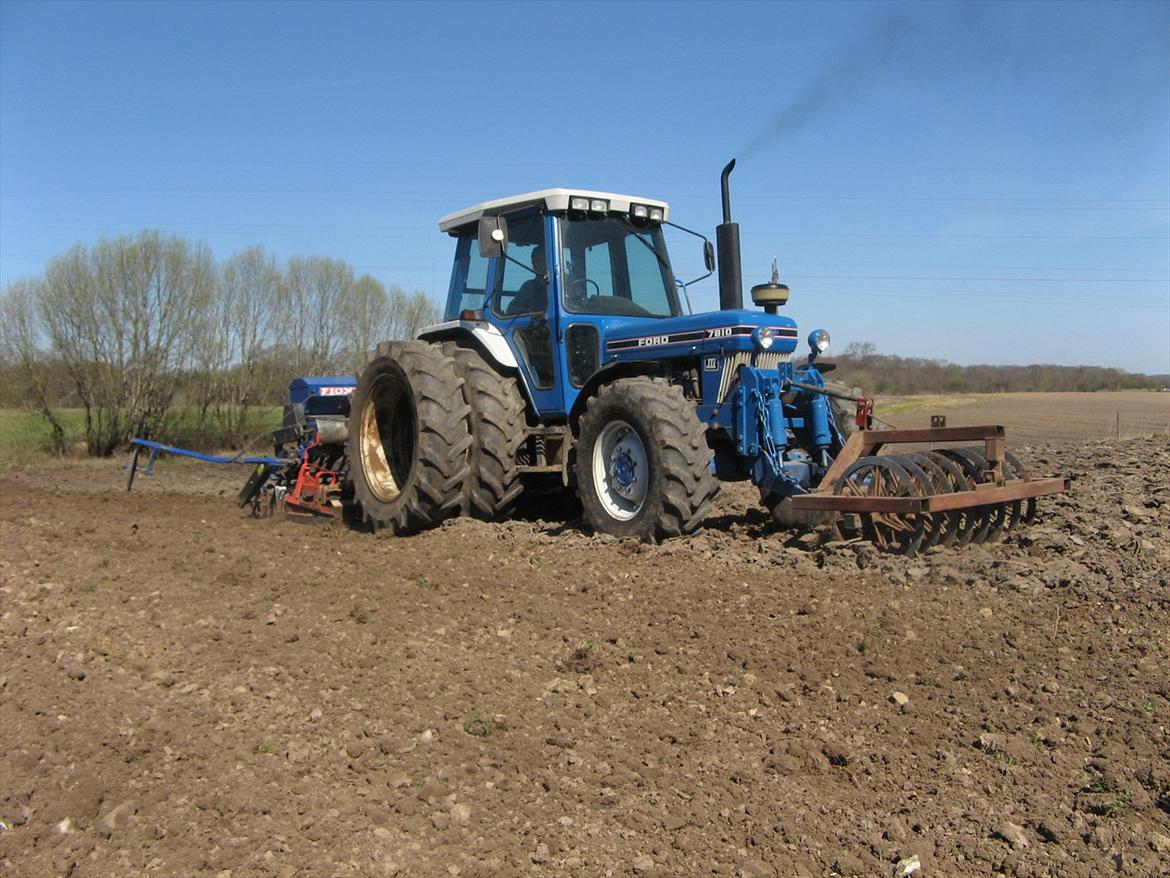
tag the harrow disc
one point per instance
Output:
(1021, 510)
(962, 520)
(874, 477)
(941, 526)
(979, 518)
(923, 481)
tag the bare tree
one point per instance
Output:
(22, 346)
(236, 328)
(120, 318)
(315, 292)
(409, 313)
(372, 315)
(365, 321)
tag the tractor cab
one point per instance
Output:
(561, 284)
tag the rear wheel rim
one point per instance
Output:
(621, 470)
(387, 438)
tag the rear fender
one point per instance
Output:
(486, 339)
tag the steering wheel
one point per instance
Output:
(579, 288)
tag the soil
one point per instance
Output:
(185, 690)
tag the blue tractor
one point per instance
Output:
(566, 355)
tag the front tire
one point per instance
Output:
(643, 465)
(408, 440)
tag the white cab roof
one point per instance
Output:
(552, 199)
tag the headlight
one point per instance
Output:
(765, 335)
(578, 202)
(818, 340)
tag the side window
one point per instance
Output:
(535, 345)
(523, 288)
(468, 279)
(583, 346)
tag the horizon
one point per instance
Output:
(945, 181)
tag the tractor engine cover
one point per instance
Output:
(697, 333)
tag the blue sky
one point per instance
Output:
(972, 182)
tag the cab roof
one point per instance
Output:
(551, 199)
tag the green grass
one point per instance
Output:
(24, 432)
(1121, 797)
(478, 727)
(925, 401)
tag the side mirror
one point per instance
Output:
(493, 236)
(708, 255)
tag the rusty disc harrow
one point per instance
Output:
(929, 474)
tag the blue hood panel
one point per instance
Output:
(640, 338)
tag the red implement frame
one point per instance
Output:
(865, 443)
(314, 488)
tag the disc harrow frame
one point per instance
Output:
(910, 500)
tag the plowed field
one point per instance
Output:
(188, 691)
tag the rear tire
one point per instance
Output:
(643, 464)
(408, 440)
(497, 429)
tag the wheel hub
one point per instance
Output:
(620, 470)
(623, 470)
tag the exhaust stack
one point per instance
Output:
(727, 242)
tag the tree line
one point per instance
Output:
(860, 365)
(135, 327)
(139, 327)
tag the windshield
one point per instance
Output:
(610, 266)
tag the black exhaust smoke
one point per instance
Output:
(727, 242)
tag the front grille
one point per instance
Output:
(765, 360)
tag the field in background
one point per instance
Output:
(1041, 417)
(1029, 418)
(24, 432)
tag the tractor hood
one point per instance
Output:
(640, 339)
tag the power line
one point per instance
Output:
(758, 164)
(862, 201)
(770, 234)
(1062, 280)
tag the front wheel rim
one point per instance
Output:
(621, 470)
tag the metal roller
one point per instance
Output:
(926, 487)
(997, 514)
(875, 478)
(1024, 510)
(960, 518)
(975, 526)
(943, 525)
(908, 500)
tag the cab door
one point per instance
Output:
(524, 308)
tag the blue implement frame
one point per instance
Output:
(157, 448)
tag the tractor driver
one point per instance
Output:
(532, 296)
